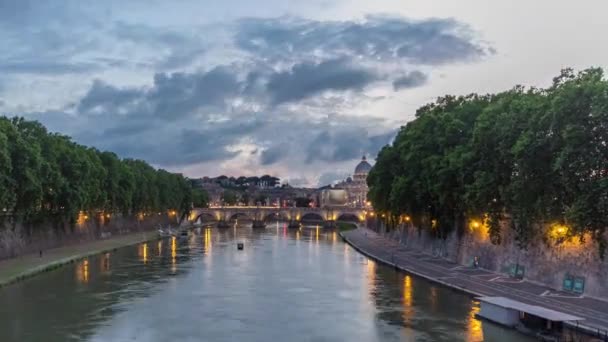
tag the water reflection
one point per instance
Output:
(105, 263)
(276, 289)
(144, 253)
(474, 328)
(82, 271)
(173, 254)
(433, 298)
(207, 241)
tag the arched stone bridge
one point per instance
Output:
(274, 213)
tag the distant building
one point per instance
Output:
(356, 187)
(334, 198)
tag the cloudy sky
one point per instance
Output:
(298, 89)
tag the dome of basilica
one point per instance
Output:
(363, 167)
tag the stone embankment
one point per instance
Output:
(478, 281)
(25, 251)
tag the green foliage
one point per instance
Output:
(229, 197)
(46, 175)
(345, 226)
(536, 155)
(261, 199)
(200, 198)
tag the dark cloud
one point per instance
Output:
(187, 118)
(204, 145)
(107, 97)
(178, 94)
(269, 101)
(171, 97)
(307, 79)
(273, 154)
(431, 41)
(340, 144)
(410, 80)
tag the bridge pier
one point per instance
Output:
(258, 224)
(294, 224)
(329, 224)
(223, 224)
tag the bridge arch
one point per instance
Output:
(311, 217)
(240, 216)
(205, 217)
(349, 217)
(276, 216)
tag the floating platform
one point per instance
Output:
(522, 316)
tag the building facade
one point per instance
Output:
(356, 186)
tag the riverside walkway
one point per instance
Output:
(479, 282)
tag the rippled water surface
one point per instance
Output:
(286, 285)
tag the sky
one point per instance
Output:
(297, 89)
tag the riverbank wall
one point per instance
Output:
(18, 238)
(544, 261)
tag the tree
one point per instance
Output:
(245, 198)
(200, 198)
(261, 199)
(302, 202)
(46, 175)
(229, 197)
(539, 155)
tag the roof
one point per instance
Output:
(533, 310)
(363, 166)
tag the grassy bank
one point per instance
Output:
(345, 226)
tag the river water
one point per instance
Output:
(285, 285)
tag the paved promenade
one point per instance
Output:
(15, 269)
(478, 282)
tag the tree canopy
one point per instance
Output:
(46, 174)
(538, 156)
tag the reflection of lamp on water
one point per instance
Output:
(145, 253)
(474, 325)
(173, 253)
(82, 272)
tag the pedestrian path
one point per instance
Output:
(478, 282)
(12, 270)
